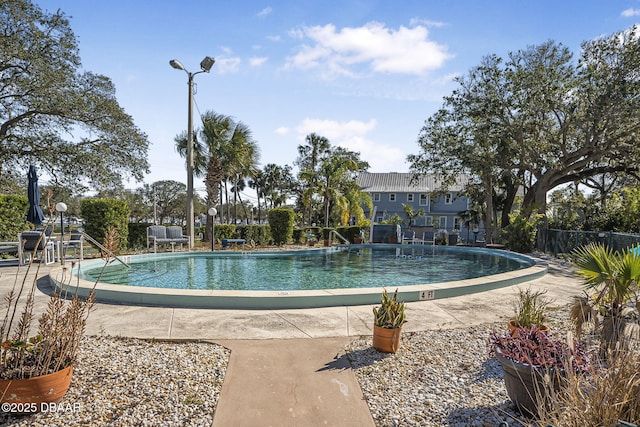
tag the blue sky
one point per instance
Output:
(364, 74)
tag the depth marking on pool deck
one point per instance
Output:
(61, 278)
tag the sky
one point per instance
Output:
(364, 74)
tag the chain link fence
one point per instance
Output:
(565, 241)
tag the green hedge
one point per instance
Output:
(13, 216)
(281, 225)
(137, 235)
(350, 233)
(101, 214)
(259, 234)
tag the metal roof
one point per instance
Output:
(394, 182)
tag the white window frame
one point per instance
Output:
(392, 197)
(428, 221)
(443, 223)
(426, 198)
(410, 197)
(448, 198)
(376, 197)
(457, 223)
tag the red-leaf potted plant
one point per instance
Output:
(534, 363)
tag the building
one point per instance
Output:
(439, 211)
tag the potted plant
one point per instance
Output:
(530, 307)
(387, 323)
(611, 302)
(534, 365)
(37, 367)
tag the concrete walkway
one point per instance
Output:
(277, 376)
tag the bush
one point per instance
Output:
(326, 231)
(137, 238)
(349, 233)
(13, 216)
(101, 214)
(281, 225)
(520, 234)
(259, 234)
(225, 231)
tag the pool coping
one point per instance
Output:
(62, 279)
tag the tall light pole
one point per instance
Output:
(213, 212)
(205, 66)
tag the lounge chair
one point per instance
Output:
(156, 235)
(174, 235)
(32, 242)
(75, 242)
(409, 236)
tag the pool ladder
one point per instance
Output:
(339, 237)
(103, 249)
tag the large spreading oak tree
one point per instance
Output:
(53, 114)
(537, 120)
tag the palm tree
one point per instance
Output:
(611, 281)
(224, 151)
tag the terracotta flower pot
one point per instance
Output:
(46, 388)
(386, 340)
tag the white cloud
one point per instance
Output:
(228, 65)
(352, 135)
(265, 12)
(282, 130)
(257, 61)
(378, 48)
(426, 22)
(630, 12)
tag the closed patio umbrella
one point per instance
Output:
(34, 214)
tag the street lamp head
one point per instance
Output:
(177, 65)
(61, 207)
(213, 211)
(207, 63)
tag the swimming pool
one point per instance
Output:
(365, 267)
(301, 279)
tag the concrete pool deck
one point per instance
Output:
(294, 380)
(225, 324)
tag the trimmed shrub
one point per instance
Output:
(225, 231)
(137, 238)
(326, 231)
(349, 233)
(281, 225)
(13, 216)
(100, 214)
(259, 234)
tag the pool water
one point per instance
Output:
(363, 267)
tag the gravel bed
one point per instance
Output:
(439, 378)
(130, 382)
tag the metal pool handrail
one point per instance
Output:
(102, 248)
(339, 236)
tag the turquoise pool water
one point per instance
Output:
(360, 267)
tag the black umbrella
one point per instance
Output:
(34, 215)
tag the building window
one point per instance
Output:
(410, 197)
(448, 198)
(380, 219)
(424, 200)
(376, 197)
(443, 222)
(457, 223)
(428, 221)
(392, 197)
